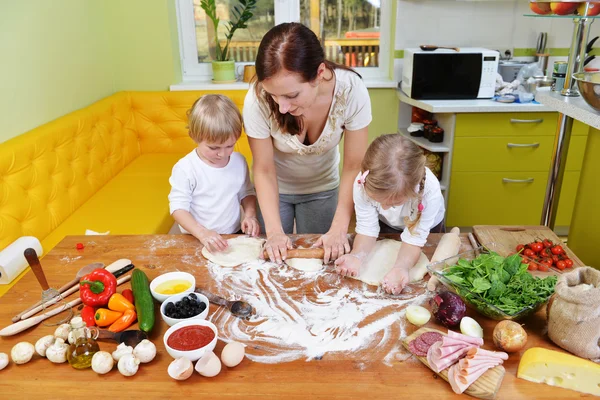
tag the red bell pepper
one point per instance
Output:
(87, 314)
(128, 294)
(97, 287)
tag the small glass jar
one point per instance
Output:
(84, 345)
(436, 135)
(429, 125)
(416, 129)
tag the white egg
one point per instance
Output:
(470, 327)
(180, 369)
(417, 315)
(209, 365)
(3, 360)
(233, 354)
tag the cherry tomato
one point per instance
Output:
(537, 247)
(555, 258)
(529, 253)
(547, 252)
(548, 261)
(557, 250)
(520, 248)
(547, 243)
(543, 267)
(569, 263)
(532, 266)
(561, 265)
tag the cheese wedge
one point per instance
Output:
(559, 369)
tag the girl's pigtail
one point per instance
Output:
(412, 223)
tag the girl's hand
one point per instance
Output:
(250, 226)
(213, 241)
(277, 246)
(395, 280)
(348, 265)
(335, 243)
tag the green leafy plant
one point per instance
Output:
(241, 13)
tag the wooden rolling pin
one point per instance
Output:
(316, 252)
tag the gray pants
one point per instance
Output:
(313, 212)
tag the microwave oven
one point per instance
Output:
(445, 74)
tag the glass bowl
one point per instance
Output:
(473, 299)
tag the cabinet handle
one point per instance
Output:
(512, 145)
(526, 121)
(508, 180)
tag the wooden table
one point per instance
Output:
(325, 378)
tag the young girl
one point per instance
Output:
(395, 192)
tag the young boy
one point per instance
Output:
(209, 184)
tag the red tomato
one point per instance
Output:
(557, 250)
(555, 259)
(561, 265)
(569, 263)
(529, 253)
(537, 247)
(543, 267)
(548, 261)
(532, 267)
(547, 243)
(520, 248)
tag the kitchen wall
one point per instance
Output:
(497, 25)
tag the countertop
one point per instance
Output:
(574, 107)
(471, 106)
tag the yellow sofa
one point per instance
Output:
(104, 167)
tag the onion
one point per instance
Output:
(470, 327)
(509, 336)
(417, 315)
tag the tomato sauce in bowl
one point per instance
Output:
(191, 337)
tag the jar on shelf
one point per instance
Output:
(433, 161)
(416, 129)
(429, 124)
(436, 135)
(418, 115)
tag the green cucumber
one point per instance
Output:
(144, 303)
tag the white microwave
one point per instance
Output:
(448, 74)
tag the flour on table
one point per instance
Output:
(305, 264)
(381, 260)
(241, 250)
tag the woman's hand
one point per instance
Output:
(335, 243)
(348, 265)
(277, 246)
(250, 226)
(212, 241)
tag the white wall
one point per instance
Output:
(497, 25)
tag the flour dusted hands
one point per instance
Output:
(250, 226)
(212, 241)
(395, 280)
(348, 265)
(277, 246)
(335, 243)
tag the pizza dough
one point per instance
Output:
(241, 250)
(305, 264)
(381, 260)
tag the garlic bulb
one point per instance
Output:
(62, 331)
(57, 353)
(3, 361)
(181, 369)
(22, 352)
(102, 362)
(209, 365)
(42, 345)
(233, 354)
(128, 364)
(122, 349)
(145, 351)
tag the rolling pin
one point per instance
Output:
(448, 246)
(316, 252)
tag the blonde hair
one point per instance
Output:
(396, 167)
(214, 118)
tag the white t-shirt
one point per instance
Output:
(212, 195)
(369, 212)
(303, 169)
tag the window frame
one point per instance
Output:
(285, 11)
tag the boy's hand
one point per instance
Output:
(348, 265)
(213, 241)
(250, 226)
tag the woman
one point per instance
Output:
(295, 115)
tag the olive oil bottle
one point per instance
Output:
(83, 348)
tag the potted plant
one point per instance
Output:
(223, 66)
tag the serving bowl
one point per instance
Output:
(195, 354)
(177, 297)
(589, 87)
(168, 277)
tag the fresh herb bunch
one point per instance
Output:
(499, 281)
(241, 12)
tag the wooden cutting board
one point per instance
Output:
(485, 387)
(510, 236)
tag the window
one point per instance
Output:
(354, 32)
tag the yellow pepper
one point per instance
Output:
(118, 302)
(106, 317)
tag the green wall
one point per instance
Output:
(53, 61)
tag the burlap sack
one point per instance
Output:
(574, 313)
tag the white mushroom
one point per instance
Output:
(145, 351)
(102, 362)
(209, 365)
(233, 354)
(3, 361)
(128, 364)
(122, 349)
(71, 337)
(180, 369)
(63, 331)
(57, 353)
(22, 352)
(42, 345)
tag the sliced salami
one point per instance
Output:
(421, 345)
(413, 349)
(431, 337)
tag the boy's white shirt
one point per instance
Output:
(369, 212)
(212, 195)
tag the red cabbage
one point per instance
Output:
(448, 308)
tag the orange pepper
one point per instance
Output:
(105, 317)
(126, 320)
(118, 302)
